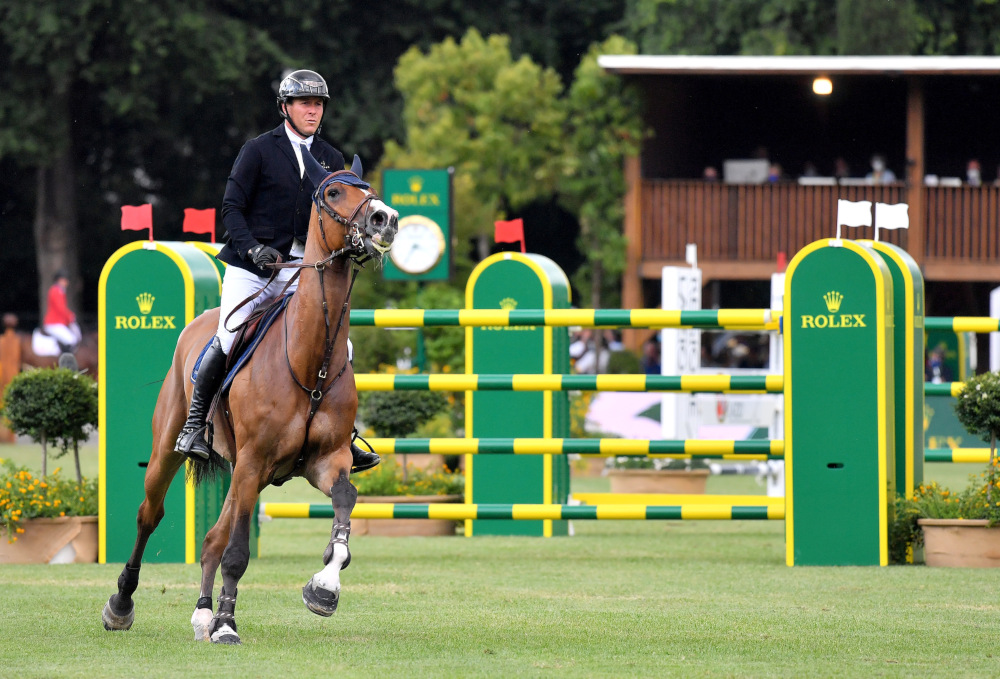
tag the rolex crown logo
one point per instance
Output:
(833, 300)
(145, 301)
(508, 304)
(416, 184)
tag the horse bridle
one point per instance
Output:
(353, 228)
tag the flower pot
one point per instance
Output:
(64, 539)
(405, 527)
(675, 481)
(960, 543)
(587, 467)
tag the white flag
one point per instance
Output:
(854, 213)
(892, 216)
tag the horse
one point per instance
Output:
(288, 412)
(85, 353)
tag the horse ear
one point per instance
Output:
(356, 166)
(314, 170)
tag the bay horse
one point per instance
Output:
(85, 352)
(289, 412)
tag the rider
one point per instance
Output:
(60, 323)
(265, 210)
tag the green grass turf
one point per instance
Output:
(620, 599)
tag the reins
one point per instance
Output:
(356, 252)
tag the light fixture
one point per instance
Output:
(822, 85)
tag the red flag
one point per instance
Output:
(509, 232)
(137, 218)
(200, 221)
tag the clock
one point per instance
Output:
(418, 245)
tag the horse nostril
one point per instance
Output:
(378, 218)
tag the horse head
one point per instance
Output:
(370, 224)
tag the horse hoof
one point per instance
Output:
(113, 621)
(320, 601)
(225, 635)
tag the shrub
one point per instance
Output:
(392, 478)
(397, 414)
(52, 404)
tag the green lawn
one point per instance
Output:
(620, 599)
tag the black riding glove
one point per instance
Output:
(263, 255)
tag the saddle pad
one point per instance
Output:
(244, 357)
(44, 345)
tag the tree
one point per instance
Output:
(497, 121)
(603, 128)
(764, 27)
(82, 78)
(865, 27)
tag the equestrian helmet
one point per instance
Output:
(301, 83)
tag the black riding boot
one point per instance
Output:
(191, 441)
(363, 459)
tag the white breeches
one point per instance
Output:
(237, 285)
(65, 334)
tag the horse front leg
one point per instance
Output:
(244, 491)
(322, 593)
(211, 556)
(119, 611)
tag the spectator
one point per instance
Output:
(880, 174)
(710, 174)
(651, 356)
(973, 174)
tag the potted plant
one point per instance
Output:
(396, 483)
(398, 414)
(52, 405)
(46, 519)
(630, 474)
(959, 529)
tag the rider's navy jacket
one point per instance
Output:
(266, 202)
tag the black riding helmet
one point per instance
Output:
(302, 83)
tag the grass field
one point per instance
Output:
(620, 599)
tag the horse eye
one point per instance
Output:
(332, 193)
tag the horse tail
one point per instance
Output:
(214, 468)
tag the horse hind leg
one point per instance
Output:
(321, 594)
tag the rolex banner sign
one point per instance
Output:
(422, 248)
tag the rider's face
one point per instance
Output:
(306, 113)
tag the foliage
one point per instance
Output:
(391, 478)
(603, 127)
(444, 348)
(865, 27)
(470, 105)
(51, 404)
(579, 406)
(775, 27)
(24, 496)
(397, 414)
(932, 501)
(977, 408)
(624, 362)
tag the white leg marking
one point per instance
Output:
(200, 620)
(329, 577)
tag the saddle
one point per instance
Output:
(251, 333)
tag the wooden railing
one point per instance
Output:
(745, 223)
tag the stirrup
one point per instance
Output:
(363, 460)
(187, 444)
